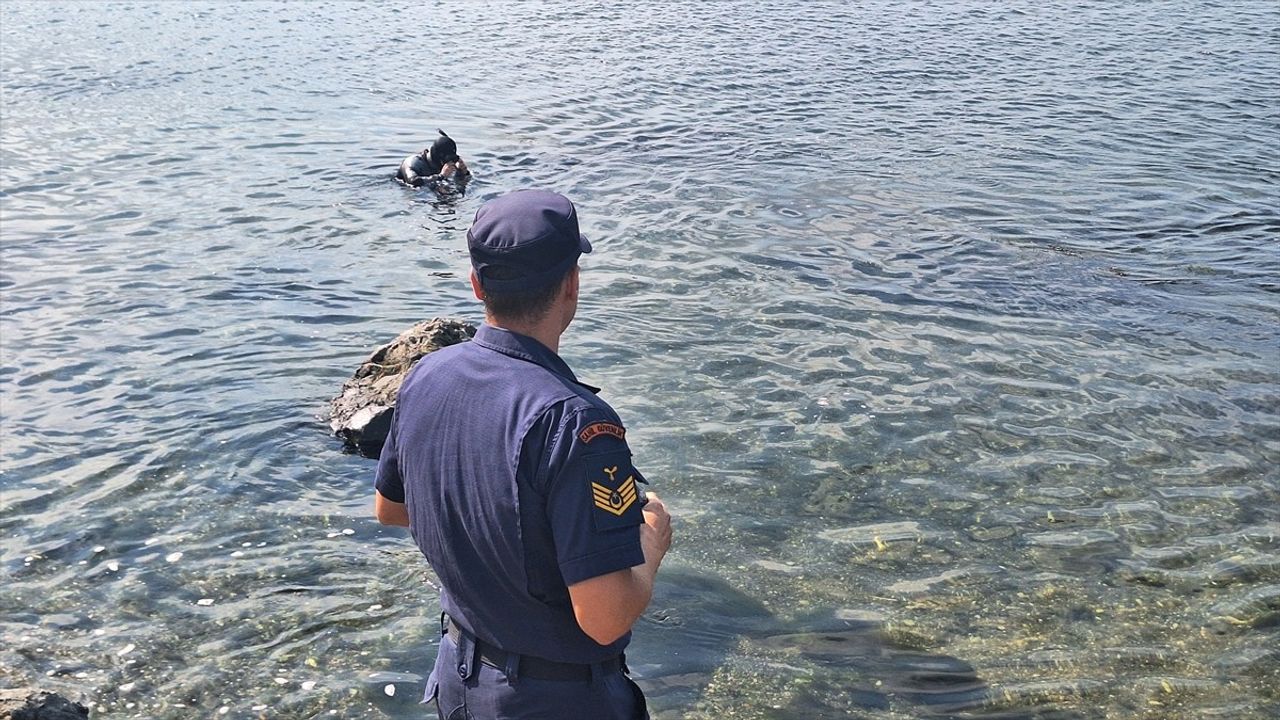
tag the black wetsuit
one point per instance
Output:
(418, 170)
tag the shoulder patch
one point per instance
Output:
(595, 430)
(612, 496)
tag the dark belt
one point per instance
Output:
(530, 666)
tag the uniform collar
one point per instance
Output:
(526, 348)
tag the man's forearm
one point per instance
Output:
(389, 512)
(606, 606)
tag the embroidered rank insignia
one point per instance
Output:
(595, 430)
(614, 501)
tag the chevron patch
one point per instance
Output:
(611, 500)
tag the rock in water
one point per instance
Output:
(361, 413)
(28, 704)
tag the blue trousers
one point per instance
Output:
(466, 689)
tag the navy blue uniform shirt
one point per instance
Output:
(518, 483)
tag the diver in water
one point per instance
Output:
(434, 164)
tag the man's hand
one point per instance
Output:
(655, 534)
(447, 170)
(462, 167)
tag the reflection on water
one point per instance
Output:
(948, 332)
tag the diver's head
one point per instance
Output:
(444, 150)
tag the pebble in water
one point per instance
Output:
(173, 557)
(773, 565)
(988, 534)
(878, 534)
(925, 584)
(390, 690)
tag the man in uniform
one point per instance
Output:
(517, 484)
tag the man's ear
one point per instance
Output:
(476, 287)
(571, 287)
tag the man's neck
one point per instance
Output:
(544, 332)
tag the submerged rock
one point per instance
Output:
(361, 413)
(29, 704)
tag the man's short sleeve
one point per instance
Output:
(594, 497)
(387, 480)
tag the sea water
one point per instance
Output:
(949, 332)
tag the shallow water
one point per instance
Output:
(948, 332)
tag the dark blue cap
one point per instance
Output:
(525, 240)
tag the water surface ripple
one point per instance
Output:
(950, 332)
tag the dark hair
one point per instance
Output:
(528, 306)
